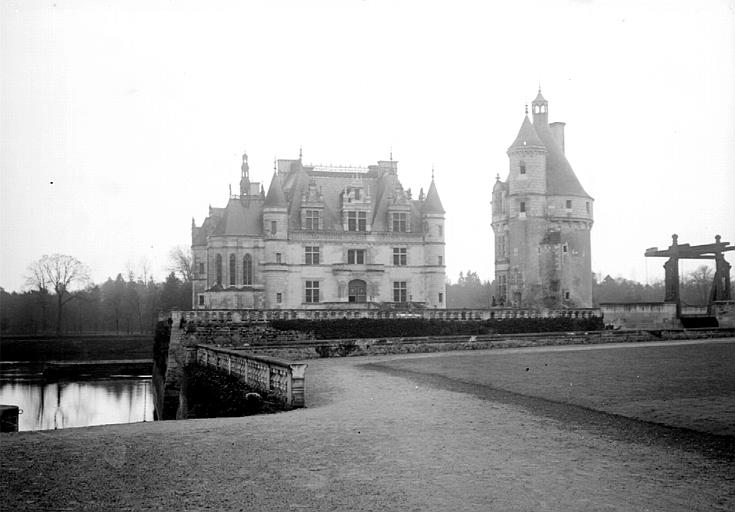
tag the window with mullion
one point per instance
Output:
(400, 291)
(399, 256)
(311, 254)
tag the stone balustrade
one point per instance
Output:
(266, 374)
(265, 315)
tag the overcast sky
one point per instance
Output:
(120, 121)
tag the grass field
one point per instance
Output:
(680, 385)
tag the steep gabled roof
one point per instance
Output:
(242, 218)
(560, 178)
(527, 136)
(275, 197)
(432, 203)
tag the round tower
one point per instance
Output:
(433, 220)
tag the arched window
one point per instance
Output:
(218, 268)
(357, 291)
(247, 270)
(232, 270)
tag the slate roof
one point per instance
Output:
(244, 216)
(433, 204)
(560, 178)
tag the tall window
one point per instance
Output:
(441, 260)
(400, 222)
(441, 298)
(440, 230)
(399, 256)
(356, 256)
(274, 227)
(356, 221)
(201, 268)
(587, 205)
(312, 220)
(232, 269)
(312, 291)
(502, 287)
(247, 270)
(400, 291)
(569, 204)
(523, 167)
(311, 255)
(522, 207)
(218, 268)
(278, 258)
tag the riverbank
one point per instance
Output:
(77, 348)
(376, 440)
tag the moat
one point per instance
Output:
(64, 400)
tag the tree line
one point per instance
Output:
(59, 298)
(471, 292)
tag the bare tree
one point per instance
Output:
(60, 272)
(181, 262)
(700, 283)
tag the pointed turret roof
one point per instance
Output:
(539, 97)
(275, 197)
(527, 136)
(433, 204)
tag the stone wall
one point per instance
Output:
(641, 315)
(382, 346)
(724, 311)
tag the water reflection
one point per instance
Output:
(65, 404)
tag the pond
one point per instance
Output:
(62, 400)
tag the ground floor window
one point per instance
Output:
(312, 291)
(400, 291)
(201, 300)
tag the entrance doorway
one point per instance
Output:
(357, 291)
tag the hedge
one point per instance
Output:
(407, 327)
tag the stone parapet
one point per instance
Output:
(266, 374)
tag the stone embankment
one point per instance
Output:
(310, 349)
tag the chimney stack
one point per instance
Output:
(557, 131)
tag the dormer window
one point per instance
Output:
(311, 220)
(400, 222)
(356, 221)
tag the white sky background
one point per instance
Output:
(139, 112)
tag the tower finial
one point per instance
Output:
(432, 171)
(526, 108)
(275, 162)
(391, 153)
(301, 152)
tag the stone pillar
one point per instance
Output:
(296, 395)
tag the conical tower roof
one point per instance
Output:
(432, 203)
(275, 197)
(527, 136)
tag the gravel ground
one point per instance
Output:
(375, 440)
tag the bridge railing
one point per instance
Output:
(278, 378)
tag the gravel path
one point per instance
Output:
(369, 440)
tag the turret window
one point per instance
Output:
(522, 207)
(569, 204)
(587, 205)
(523, 167)
(274, 226)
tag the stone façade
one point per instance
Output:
(541, 219)
(321, 237)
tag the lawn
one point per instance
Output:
(681, 385)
